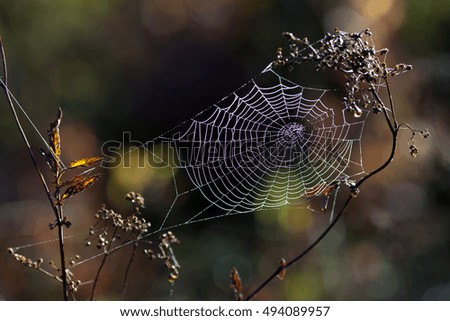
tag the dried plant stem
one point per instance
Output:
(61, 251)
(391, 103)
(60, 221)
(302, 254)
(57, 210)
(125, 279)
(102, 264)
(394, 127)
(394, 132)
(49, 274)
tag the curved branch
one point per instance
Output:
(302, 254)
(394, 131)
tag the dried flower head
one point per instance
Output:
(167, 254)
(352, 54)
(137, 200)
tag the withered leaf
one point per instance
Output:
(72, 181)
(79, 184)
(236, 284)
(83, 162)
(53, 134)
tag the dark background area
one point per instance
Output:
(145, 66)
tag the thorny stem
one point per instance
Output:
(57, 211)
(394, 131)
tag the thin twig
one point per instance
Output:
(57, 212)
(302, 254)
(61, 249)
(394, 131)
(102, 264)
(392, 124)
(60, 225)
(391, 102)
(125, 279)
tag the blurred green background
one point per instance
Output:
(144, 66)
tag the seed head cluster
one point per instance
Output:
(352, 54)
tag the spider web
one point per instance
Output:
(268, 144)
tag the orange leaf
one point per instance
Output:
(79, 184)
(236, 284)
(84, 162)
(282, 273)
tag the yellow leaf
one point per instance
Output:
(84, 162)
(79, 184)
(53, 133)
